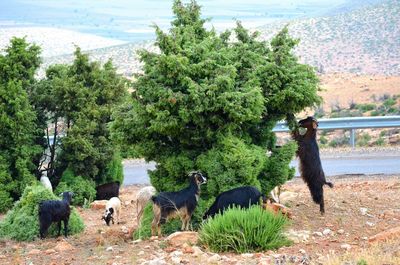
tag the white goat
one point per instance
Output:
(45, 181)
(113, 207)
(143, 196)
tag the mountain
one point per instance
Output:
(365, 41)
(362, 41)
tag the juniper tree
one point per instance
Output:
(18, 128)
(209, 102)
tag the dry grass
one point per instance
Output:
(387, 253)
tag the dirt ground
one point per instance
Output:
(357, 208)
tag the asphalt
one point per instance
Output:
(135, 172)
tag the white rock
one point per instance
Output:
(340, 231)
(247, 255)
(370, 224)
(363, 211)
(317, 234)
(326, 231)
(176, 260)
(124, 229)
(137, 241)
(214, 258)
(302, 251)
(196, 251)
(345, 246)
(176, 253)
(141, 253)
(110, 249)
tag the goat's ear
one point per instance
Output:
(61, 194)
(111, 210)
(314, 125)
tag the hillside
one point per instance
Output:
(365, 41)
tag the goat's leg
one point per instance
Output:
(322, 204)
(43, 230)
(65, 227)
(59, 228)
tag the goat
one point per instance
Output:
(45, 181)
(310, 163)
(107, 191)
(112, 206)
(144, 195)
(51, 211)
(182, 203)
(243, 197)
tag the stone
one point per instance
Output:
(385, 235)
(317, 234)
(188, 250)
(136, 241)
(298, 236)
(326, 231)
(98, 205)
(302, 251)
(50, 251)
(370, 224)
(214, 258)
(363, 211)
(197, 251)
(340, 231)
(288, 197)
(125, 229)
(177, 239)
(141, 253)
(110, 249)
(34, 251)
(345, 246)
(247, 255)
(63, 246)
(176, 253)
(176, 260)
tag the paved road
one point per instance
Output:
(136, 173)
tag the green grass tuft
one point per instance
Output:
(244, 230)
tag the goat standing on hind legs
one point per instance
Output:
(310, 163)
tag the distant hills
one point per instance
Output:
(365, 41)
(362, 41)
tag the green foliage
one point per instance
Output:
(365, 107)
(22, 222)
(362, 262)
(207, 103)
(83, 189)
(83, 95)
(244, 230)
(18, 129)
(144, 231)
(363, 139)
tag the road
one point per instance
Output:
(136, 173)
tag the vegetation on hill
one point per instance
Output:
(362, 41)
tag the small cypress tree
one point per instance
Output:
(209, 102)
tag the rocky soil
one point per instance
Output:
(358, 210)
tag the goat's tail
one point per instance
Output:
(330, 184)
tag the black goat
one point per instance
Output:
(243, 197)
(55, 211)
(107, 191)
(182, 203)
(310, 163)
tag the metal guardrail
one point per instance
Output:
(351, 123)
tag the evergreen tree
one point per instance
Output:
(18, 128)
(209, 101)
(80, 98)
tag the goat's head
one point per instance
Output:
(67, 196)
(197, 177)
(108, 216)
(309, 123)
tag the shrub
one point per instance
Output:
(22, 222)
(244, 230)
(365, 107)
(82, 188)
(363, 139)
(144, 230)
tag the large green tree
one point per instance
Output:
(18, 128)
(209, 102)
(78, 99)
